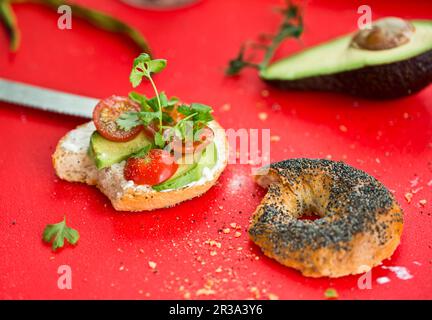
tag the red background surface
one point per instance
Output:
(390, 140)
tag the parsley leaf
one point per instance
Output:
(159, 140)
(142, 152)
(128, 120)
(331, 293)
(59, 232)
(144, 66)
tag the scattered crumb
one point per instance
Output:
(213, 243)
(408, 197)
(233, 225)
(205, 292)
(423, 202)
(213, 253)
(255, 292)
(187, 295)
(331, 293)
(226, 230)
(237, 234)
(152, 264)
(343, 128)
(275, 138)
(262, 116)
(272, 296)
(226, 107)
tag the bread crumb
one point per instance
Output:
(187, 295)
(408, 197)
(255, 292)
(262, 116)
(152, 264)
(343, 128)
(273, 296)
(423, 202)
(275, 138)
(205, 292)
(226, 230)
(226, 107)
(237, 234)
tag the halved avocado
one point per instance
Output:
(105, 152)
(362, 69)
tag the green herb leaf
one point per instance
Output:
(184, 109)
(201, 108)
(59, 232)
(331, 293)
(128, 120)
(156, 65)
(159, 140)
(291, 27)
(239, 63)
(142, 152)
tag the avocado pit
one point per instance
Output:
(387, 33)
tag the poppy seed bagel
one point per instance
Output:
(359, 223)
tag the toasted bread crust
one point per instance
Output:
(77, 166)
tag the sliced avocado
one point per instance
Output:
(352, 65)
(105, 152)
(188, 173)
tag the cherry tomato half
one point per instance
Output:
(106, 113)
(157, 166)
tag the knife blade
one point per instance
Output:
(46, 99)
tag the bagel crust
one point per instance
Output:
(359, 223)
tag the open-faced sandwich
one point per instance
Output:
(145, 153)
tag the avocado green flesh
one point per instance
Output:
(106, 153)
(192, 172)
(337, 56)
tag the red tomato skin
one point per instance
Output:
(114, 106)
(156, 167)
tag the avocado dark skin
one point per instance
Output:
(386, 81)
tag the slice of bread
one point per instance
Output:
(71, 163)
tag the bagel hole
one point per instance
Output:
(311, 216)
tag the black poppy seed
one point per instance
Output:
(354, 204)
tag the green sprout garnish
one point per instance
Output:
(158, 108)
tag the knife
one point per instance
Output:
(46, 99)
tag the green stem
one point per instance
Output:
(8, 18)
(159, 103)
